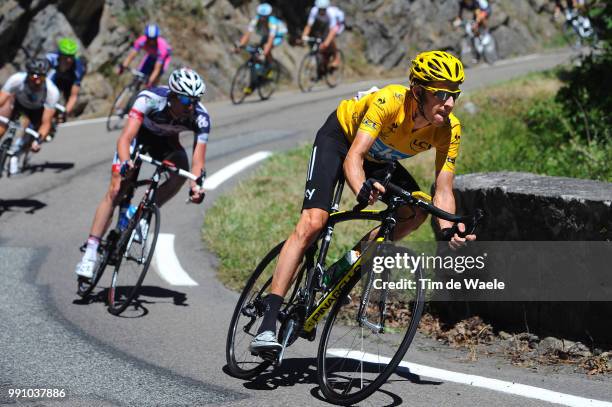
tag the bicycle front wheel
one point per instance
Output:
(4, 149)
(137, 243)
(119, 109)
(355, 359)
(269, 81)
(307, 74)
(241, 84)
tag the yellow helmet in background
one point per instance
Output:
(432, 66)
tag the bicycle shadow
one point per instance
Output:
(304, 371)
(137, 308)
(57, 167)
(31, 205)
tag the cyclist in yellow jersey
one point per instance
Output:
(357, 140)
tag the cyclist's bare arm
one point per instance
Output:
(330, 37)
(45, 126)
(244, 40)
(306, 31)
(130, 57)
(445, 200)
(268, 47)
(353, 163)
(72, 99)
(5, 97)
(125, 139)
(198, 164)
(154, 74)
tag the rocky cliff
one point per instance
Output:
(381, 35)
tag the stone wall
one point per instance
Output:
(529, 207)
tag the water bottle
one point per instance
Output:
(125, 214)
(336, 270)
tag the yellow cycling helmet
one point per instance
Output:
(431, 66)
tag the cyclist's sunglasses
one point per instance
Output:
(443, 94)
(34, 76)
(187, 101)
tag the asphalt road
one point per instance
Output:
(172, 351)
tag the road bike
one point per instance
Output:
(12, 146)
(130, 250)
(124, 100)
(315, 67)
(368, 330)
(478, 44)
(255, 73)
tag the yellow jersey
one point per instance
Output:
(382, 114)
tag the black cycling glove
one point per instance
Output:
(363, 197)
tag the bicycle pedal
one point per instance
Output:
(270, 356)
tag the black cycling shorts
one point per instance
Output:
(33, 115)
(325, 167)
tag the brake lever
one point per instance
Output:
(471, 227)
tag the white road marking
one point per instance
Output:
(477, 381)
(167, 264)
(226, 173)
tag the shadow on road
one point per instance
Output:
(56, 167)
(304, 371)
(137, 308)
(13, 205)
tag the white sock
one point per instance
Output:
(91, 252)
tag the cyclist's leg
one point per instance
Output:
(178, 156)
(325, 167)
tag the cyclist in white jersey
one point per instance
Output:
(325, 22)
(32, 94)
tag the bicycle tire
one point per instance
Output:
(241, 79)
(259, 365)
(4, 149)
(490, 52)
(268, 84)
(334, 78)
(86, 286)
(307, 73)
(326, 384)
(115, 116)
(118, 301)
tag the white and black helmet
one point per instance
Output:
(185, 81)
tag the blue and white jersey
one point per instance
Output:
(151, 107)
(73, 76)
(275, 27)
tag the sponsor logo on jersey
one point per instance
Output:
(450, 160)
(371, 124)
(420, 145)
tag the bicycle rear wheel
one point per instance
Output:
(119, 109)
(307, 74)
(334, 76)
(247, 315)
(353, 361)
(269, 81)
(4, 149)
(241, 84)
(132, 266)
(84, 285)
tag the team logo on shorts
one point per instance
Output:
(309, 193)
